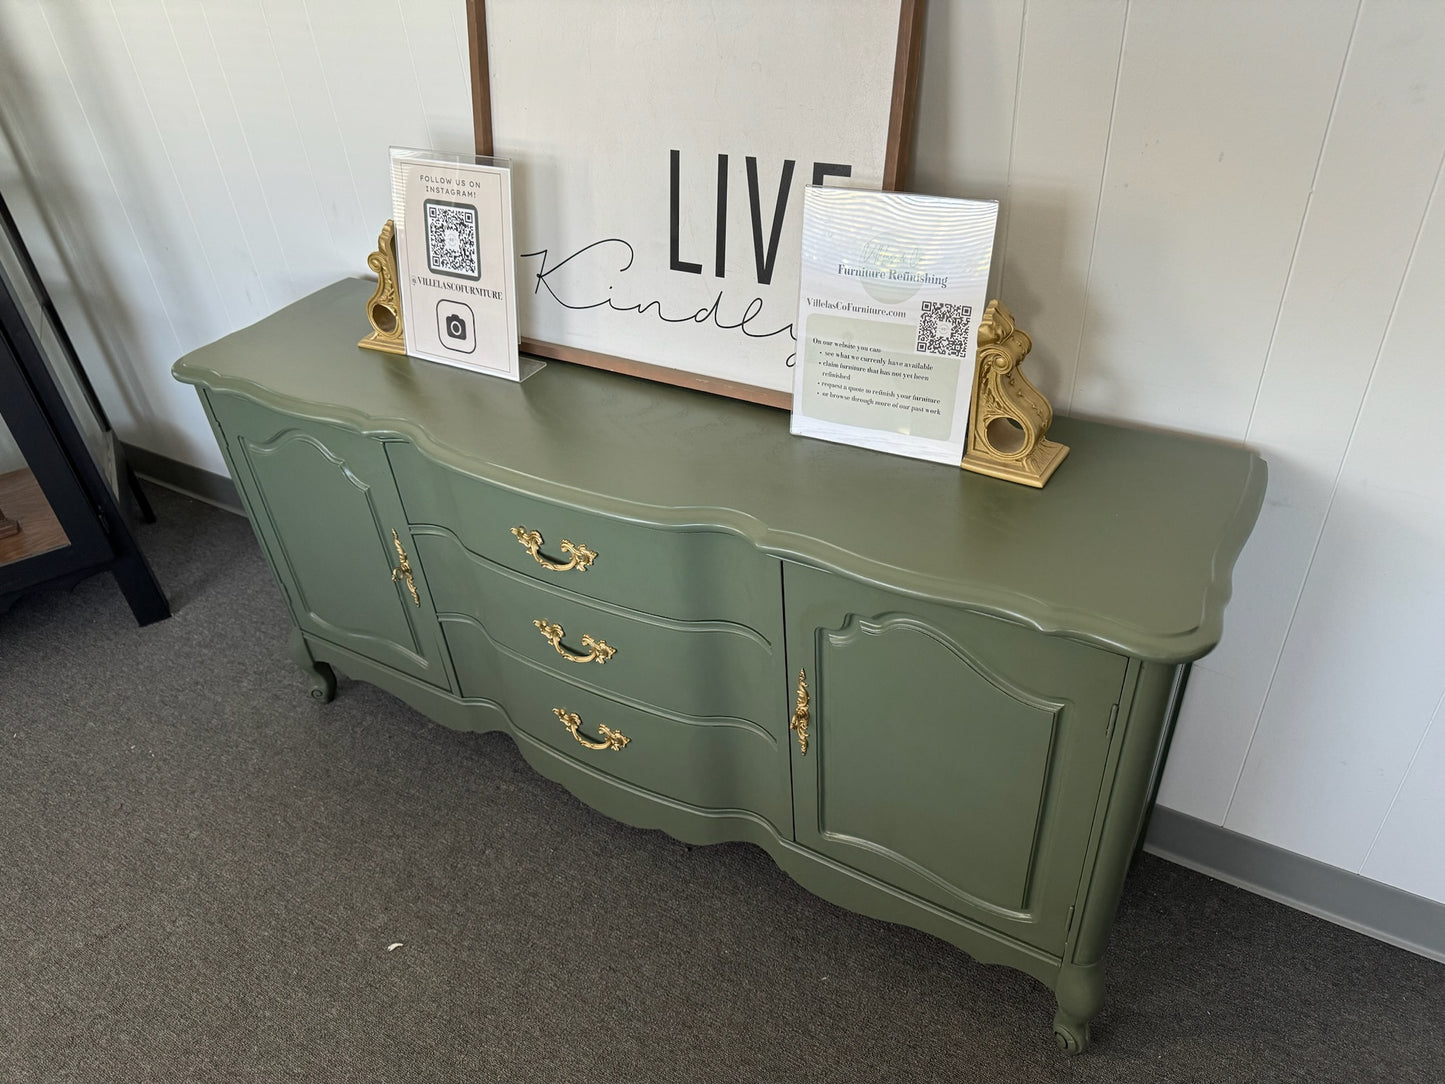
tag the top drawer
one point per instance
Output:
(689, 573)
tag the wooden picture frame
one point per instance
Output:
(659, 155)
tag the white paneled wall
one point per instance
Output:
(201, 164)
(1218, 217)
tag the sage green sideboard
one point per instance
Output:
(933, 697)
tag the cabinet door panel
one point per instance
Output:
(951, 754)
(325, 506)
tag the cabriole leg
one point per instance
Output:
(323, 678)
(1080, 993)
(1070, 1035)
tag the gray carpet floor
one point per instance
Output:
(206, 876)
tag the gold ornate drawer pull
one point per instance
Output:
(402, 571)
(611, 739)
(553, 634)
(582, 557)
(799, 721)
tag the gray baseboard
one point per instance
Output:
(1347, 899)
(1355, 902)
(217, 489)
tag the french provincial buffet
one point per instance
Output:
(933, 697)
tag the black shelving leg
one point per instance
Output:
(147, 513)
(138, 585)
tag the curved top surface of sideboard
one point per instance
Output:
(1129, 547)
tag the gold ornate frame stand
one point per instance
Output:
(1009, 417)
(384, 307)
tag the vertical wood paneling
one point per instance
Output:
(378, 102)
(965, 115)
(316, 111)
(115, 287)
(232, 169)
(436, 39)
(1407, 851)
(1055, 173)
(263, 150)
(1215, 138)
(166, 164)
(1361, 671)
(1350, 258)
(30, 217)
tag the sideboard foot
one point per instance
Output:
(1070, 1035)
(1080, 994)
(323, 678)
(323, 682)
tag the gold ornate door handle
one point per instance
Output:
(600, 652)
(799, 721)
(611, 739)
(402, 572)
(531, 541)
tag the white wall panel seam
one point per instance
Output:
(220, 166)
(1303, 222)
(205, 250)
(262, 273)
(64, 241)
(1099, 206)
(431, 135)
(1404, 778)
(1339, 472)
(464, 54)
(1259, 387)
(1001, 248)
(336, 246)
(335, 117)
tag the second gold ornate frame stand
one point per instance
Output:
(384, 307)
(1009, 417)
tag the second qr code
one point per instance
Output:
(943, 328)
(451, 239)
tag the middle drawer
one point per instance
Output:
(699, 668)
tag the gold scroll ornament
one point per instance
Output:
(384, 307)
(798, 723)
(599, 651)
(531, 541)
(611, 739)
(1009, 417)
(402, 573)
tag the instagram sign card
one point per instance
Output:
(454, 259)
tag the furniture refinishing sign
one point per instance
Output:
(892, 291)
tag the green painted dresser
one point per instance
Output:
(933, 697)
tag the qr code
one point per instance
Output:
(451, 239)
(943, 328)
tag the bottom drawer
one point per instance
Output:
(719, 765)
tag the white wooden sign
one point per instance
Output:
(660, 150)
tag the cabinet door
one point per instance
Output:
(324, 505)
(955, 756)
